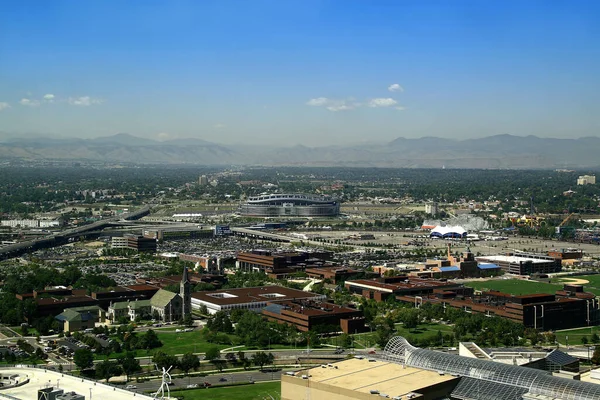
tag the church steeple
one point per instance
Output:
(185, 293)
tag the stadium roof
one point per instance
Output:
(490, 380)
(448, 231)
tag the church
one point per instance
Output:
(164, 306)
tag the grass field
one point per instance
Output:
(575, 335)
(516, 286)
(256, 391)
(367, 339)
(176, 343)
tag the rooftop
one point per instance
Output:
(38, 378)
(513, 259)
(364, 376)
(255, 294)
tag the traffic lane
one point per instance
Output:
(214, 380)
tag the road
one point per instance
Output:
(214, 380)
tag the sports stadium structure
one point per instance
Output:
(448, 232)
(290, 205)
(488, 380)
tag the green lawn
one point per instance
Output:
(575, 335)
(516, 286)
(176, 343)
(368, 339)
(257, 391)
(593, 286)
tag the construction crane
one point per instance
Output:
(560, 229)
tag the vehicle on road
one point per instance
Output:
(222, 379)
(192, 386)
(130, 387)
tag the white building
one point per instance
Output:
(432, 208)
(119, 242)
(586, 180)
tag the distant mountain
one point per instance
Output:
(500, 151)
(124, 139)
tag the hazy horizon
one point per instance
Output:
(312, 73)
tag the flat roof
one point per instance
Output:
(364, 375)
(411, 284)
(254, 294)
(40, 378)
(313, 308)
(513, 259)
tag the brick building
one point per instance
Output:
(320, 316)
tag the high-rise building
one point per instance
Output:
(203, 180)
(432, 208)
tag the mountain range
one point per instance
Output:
(494, 152)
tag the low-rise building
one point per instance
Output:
(80, 318)
(253, 299)
(333, 273)
(523, 263)
(382, 288)
(320, 316)
(130, 309)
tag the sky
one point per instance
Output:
(310, 72)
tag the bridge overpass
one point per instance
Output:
(257, 234)
(61, 238)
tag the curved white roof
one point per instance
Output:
(444, 230)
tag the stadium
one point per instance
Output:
(290, 205)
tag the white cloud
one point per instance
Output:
(49, 98)
(318, 102)
(29, 102)
(4, 105)
(84, 101)
(400, 108)
(394, 87)
(219, 126)
(382, 102)
(333, 104)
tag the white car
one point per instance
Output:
(130, 387)
(192, 386)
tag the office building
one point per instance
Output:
(315, 315)
(524, 263)
(253, 299)
(586, 180)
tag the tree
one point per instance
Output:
(163, 360)
(345, 340)
(213, 353)
(188, 320)
(149, 340)
(596, 356)
(189, 361)
(107, 369)
(584, 340)
(129, 364)
(83, 358)
(261, 358)
(595, 338)
(203, 310)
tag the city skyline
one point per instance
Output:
(315, 73)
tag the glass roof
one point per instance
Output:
(522, 378)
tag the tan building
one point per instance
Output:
(366, 379)
(586, 180)
(80, 318)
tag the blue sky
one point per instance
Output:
(300, 72)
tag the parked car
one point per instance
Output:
(192, 386)
(129, 387)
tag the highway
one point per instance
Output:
(61, 238)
